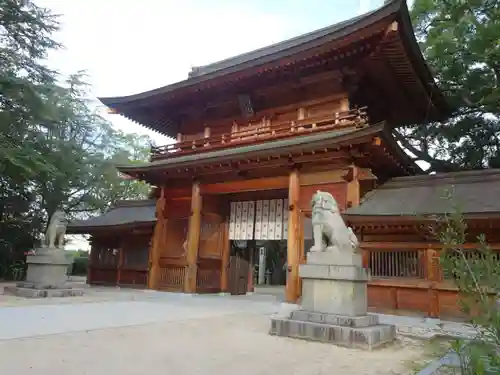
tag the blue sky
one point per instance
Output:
(132, 46)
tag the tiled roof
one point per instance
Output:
(149, 108)
(472, 192)
(320, 139)
(123, 213)
(273, 52)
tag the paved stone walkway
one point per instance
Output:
(36, 320)
(110, 331)
(113, 331)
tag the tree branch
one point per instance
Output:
(436, 164)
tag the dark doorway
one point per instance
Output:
(271, 256)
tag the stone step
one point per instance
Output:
(332, 319)
(367, 338)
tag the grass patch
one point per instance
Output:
(433, 349)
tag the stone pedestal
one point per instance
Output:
(334, 304)
(46, 276)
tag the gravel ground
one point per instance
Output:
(231, 344)
(111, 331)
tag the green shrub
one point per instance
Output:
(476, 274)
(80, 266)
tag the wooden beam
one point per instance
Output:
(322, 177)
(294, 237)
(271, 183)
(193, 239)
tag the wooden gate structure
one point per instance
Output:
(316, 112)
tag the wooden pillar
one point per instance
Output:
(224, 279)
(353, 189)
(120, 265)
(91, 261)
(432, 269)
(434, 275)
(294, 238)
(250, 286)
(193, 240)
(366, 257)
(157, 242)
(301, 113)
(344, 104)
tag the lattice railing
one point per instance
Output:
(269, 131)
(172, 277)
(396, 263)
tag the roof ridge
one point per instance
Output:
(217, 65)
(280, 47)
(133, 202)
(462, 177)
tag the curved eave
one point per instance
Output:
(400, 154)
(270, 147)
(420, 65)
(93, 229)
(392, 160)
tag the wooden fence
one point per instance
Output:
(408, 277)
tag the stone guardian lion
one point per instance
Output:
(54, 236)
(329, 229)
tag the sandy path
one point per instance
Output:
(233, 344)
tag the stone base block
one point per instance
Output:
(332, 319)
(47, 269)
(362, 332)
(368, 338)
(339, 297)
(42, 293)
(333, 255)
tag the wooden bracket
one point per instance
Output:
(376, 141)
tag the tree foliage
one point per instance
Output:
(460, 41)
(476, 274)
(56, 151)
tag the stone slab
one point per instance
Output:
(367, 338)
(331, 319)
(332, 272)
(333, 255)
(348, 298)
(42, 293)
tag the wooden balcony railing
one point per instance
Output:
(264, 131)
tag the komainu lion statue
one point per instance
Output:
(329, 228)
(54, 237)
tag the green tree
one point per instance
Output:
(26, 84)
(85, 149)
(55, 150)
(459, 39)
